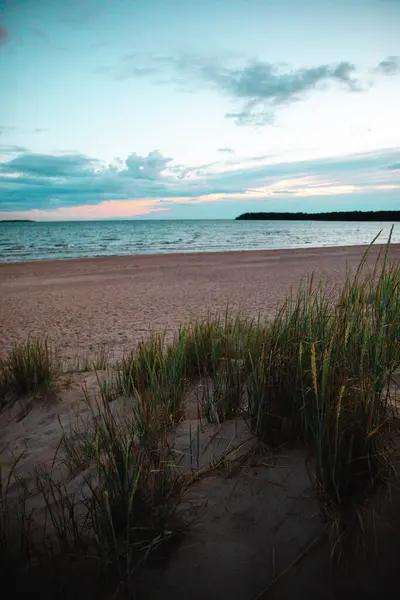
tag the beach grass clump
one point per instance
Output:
(206, 342)
(138, 367)
(346, 399)
(107, 498)
(214, 352)
(275, 373)
(31, 368)
(101, 358)
(97, 360)
(155, 374)
(205, 351)
(221, 392)
(325, 368)
(132, 487)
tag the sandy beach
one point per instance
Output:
(116, 300)
(246, 524)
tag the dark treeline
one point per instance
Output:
(355, 215)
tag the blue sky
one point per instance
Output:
(200, 108)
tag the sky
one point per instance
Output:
(180, 109)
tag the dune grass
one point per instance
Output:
(132, 489)
(107, 498)
(31, 368)
(326, 365)
(318, 373)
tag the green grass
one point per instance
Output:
(318, 372)
(98, 359)
(155, 374)
(326, 365)
(120, 510)
(131, 490)
(31, 368)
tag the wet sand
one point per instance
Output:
(115, 300)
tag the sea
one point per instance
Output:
(23, 241)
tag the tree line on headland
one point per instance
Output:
(16, 221)
(355, 215)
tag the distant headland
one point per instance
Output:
(16, 221)
(355, 215)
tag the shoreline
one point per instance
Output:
(160, 255)
(81, 303)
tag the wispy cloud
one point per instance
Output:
(109, 209)
(389, 66)
(43, 182)
(51, 166)
(6, 129)
(263, 86)
(226, 150)
(7, 149)
(259, 87)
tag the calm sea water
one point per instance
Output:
(40, 241)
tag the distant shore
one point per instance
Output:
(17, 221)
(116, 300)
(353, 216)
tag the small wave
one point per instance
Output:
(172, 242)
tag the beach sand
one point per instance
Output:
(246, 528)
(116, 300)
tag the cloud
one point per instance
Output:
(226, 150)
(3, 35)
(6, 129)
(29, 180)
(252, 116)
(259, 87)
(110, 209)
(263, 86)
(389, 66)
(67, 165)
(44, 182)
(11, 149)
(149, 167)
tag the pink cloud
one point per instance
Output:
(109, 209)
(306, 186)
